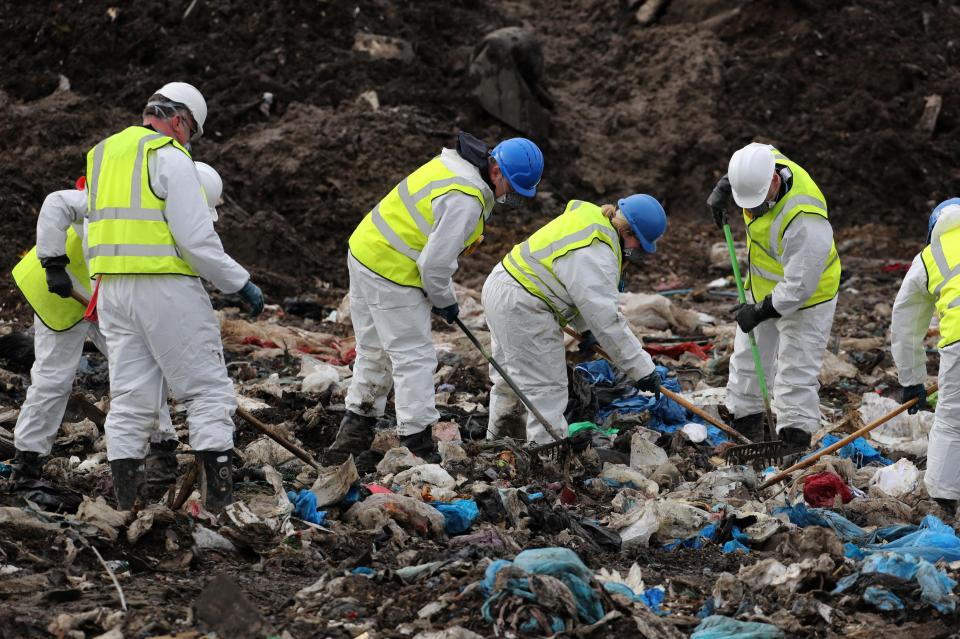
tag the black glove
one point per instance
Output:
(253, 297)
(718, 201)
(649, 384)
(587, 342)
(448, 313)
(918, 392)
(58, 282)
(749, 315)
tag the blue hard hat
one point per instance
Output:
(935, 215)
(647, 219)
(521, 162)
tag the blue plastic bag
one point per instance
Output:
(666, 416)
(936, 587)
(560, 563)
(720, 627)
(933, 541)
(305, 507)
(882, 599)
(859, 450)
(458, 515)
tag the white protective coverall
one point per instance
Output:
(57, 353)
(392, 322)
(163, 326)
(791, 347)
(912, 312)
(526, 338)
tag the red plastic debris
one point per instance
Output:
(567, 496)
(262, 343)
(377, 488)
(896, 267)
(820, 490)
(676, 350)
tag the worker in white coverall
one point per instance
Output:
(401, 262)
(932, 284)
(151, 239)
(793, 280)
(568, 272)
(60, 332)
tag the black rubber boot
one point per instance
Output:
(794, 440)
(949, 508)
(750, 426)
(216, 486)
(355, 434)
(161, 467)
(129, 479)
(26, 467)
(422, 445)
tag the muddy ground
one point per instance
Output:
(838, 86)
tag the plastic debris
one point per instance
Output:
(720, 627)
(898, 480)
(822, 489)
(305, 507)
(458, 515)
(936, 587)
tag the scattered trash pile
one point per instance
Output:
(644, 532)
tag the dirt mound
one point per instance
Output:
(839, 87)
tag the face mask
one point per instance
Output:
(761, 208)
(510, 200)
(634, 256)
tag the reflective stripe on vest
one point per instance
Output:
(57, 313)
(765, 238)
(389, 239)
(128, 232)
(943, 281)
(530, 263)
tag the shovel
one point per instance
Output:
(677, 397)
(812, 459)
(757, 362)
(523, 398)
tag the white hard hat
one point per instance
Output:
(212, 186)
(190, 97)
(750, 173)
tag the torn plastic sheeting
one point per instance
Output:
(898, 480)
(458, 515)
(820, 490)
(652, 598)
(305, 507)
(666, 416)
(802, 516)
(933, 541)
(720, 627)
(936, 587)
(559, 563)
(882, 599)
(573, 429)
(859, 450)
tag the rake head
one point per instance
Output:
(760, 455)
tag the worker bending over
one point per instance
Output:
(401, 261)
(568, 272)
(931, 285)
(793, 280)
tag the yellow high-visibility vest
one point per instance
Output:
(765, 238)
(531, 262)
(942, 261)
(128, 232)
(57, 313)
(389, 239)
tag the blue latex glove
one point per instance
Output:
(917, 391)
(448, 313)
(587, 343)
(252, 297)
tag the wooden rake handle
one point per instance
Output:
(812, 459)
